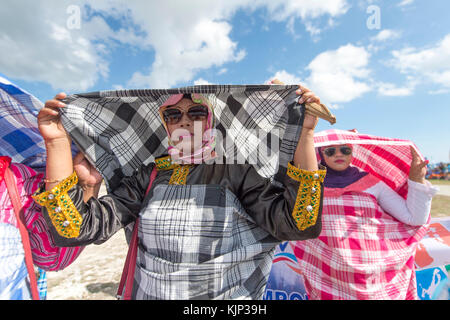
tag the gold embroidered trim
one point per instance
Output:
(179, 174)
(307, 204)
(165, 163)
(63, 213)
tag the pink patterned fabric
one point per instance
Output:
(27, 181)
(362, 251)
(386, 158)
(45, 254)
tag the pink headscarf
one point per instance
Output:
(206, 151)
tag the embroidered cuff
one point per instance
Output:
(307, 204)
(63, 213)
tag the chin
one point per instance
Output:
(340, 167)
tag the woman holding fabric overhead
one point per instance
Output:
(372, 222)
(205, 231)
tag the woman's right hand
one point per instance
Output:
(49, 120)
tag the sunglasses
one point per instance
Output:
(194, 113)
(331, 151)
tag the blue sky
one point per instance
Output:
(382, 67)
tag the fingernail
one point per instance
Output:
(60, 104)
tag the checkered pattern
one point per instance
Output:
(362, 252)
(19, 135)
(46, 255)
(121, 130)
(13, 271)
(218, 252)
(386, 158)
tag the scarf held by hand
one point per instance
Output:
(119, 131)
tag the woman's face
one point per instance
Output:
(337, 157)
(188, 128)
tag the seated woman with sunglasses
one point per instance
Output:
(369, 233)
(206, 231)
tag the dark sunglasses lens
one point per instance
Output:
(346, 150)
(198, 113)
(172, 116)
(329, 152)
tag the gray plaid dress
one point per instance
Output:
(213, 236)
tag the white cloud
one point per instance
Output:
(336, 76)
(305, 10)
(289, 79)
(285, 77)
(185, 37)
(385, 35)
(392, 90)
(430, 65)
(201, 81)
(184, 46)
(405, 3)
(39, 46)
(340, 75)
(36, 46)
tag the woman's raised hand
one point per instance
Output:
(49, 120)
(418, 169)
(307, 96)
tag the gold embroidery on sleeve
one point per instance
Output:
(307, 204)
(63, 213)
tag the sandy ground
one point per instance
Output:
(95, 275)
(444, 190)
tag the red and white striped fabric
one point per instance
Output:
(45, 253)
(362, 251)
(386, 158)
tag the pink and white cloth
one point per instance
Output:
(362, 251)
(45, 254)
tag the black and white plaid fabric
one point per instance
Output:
(121, 130)
(214, 252)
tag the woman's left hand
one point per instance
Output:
(418, 169)
(307, 96)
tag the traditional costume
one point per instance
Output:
(373, 219)
(206, 231)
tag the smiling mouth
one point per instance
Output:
(339, 161)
